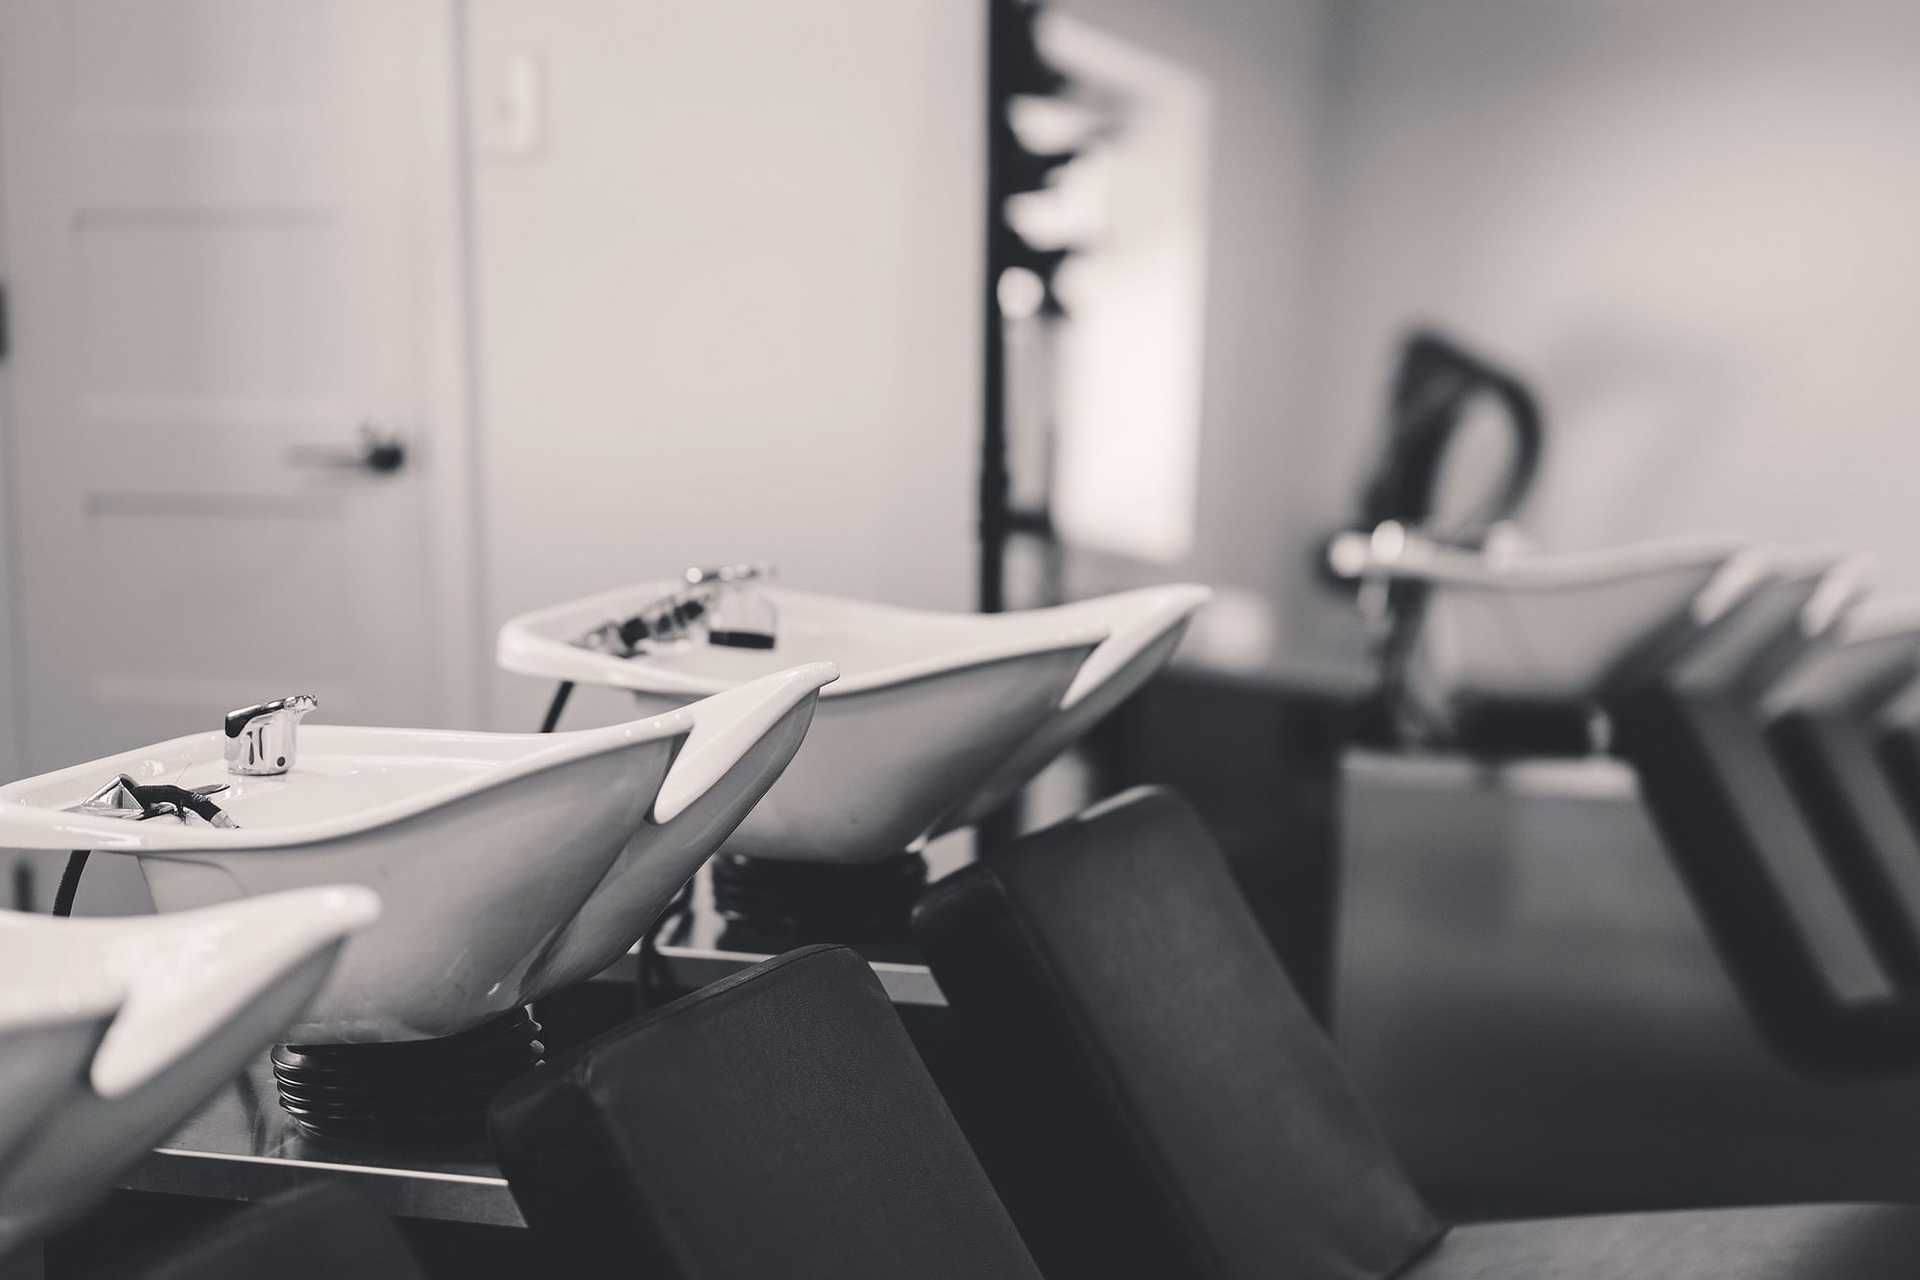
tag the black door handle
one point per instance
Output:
(381, 452)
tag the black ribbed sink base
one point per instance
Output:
(803, 902)
(410, 1090)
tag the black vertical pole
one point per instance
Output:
(993, 431)
(1013, 66)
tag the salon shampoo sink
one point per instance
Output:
(1524, 627)
(508, 864)
(936, 718)
(113, 1031)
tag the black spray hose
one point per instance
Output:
(1434, 386)
(70, 882)
(555, 707)
(155, 799)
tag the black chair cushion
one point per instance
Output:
(1163, 1104)
(1820, 725)
(320, 1232)
(1811, 1242)
(776, 1123)
(1813, 973)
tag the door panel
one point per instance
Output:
(219, 226)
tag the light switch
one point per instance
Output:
(511, 121)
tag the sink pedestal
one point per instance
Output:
(802, 902)
(410, 1089)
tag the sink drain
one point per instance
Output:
(407, 1090)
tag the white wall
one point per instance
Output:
(730, 308)
(12, 715)
(1694, 224)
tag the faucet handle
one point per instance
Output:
(261, 738)
(747, 571)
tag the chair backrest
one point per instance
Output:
(1821, 980)
(1897, 748)
(1160, 1101)
(321, 1232)
(1822, 724)
(778, 1122)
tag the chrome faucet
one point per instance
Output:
(719, 605)
(261, 739)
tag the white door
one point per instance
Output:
(231, 242)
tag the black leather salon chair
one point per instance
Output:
(1747, 764)
(323, 1232)
(1823, 724)
(776, 1123)
(1897, 748)
(1165, 1096)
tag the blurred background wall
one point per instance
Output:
(1264, 63)
(1690, 224)
(744, 247)
(727, 300)
(11, 763)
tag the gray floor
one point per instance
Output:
(1524, 992)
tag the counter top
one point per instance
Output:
(242, 1146)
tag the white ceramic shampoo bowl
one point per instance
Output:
(113, 1031)
(509, 864)
(936, 716)
(1553, 628)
